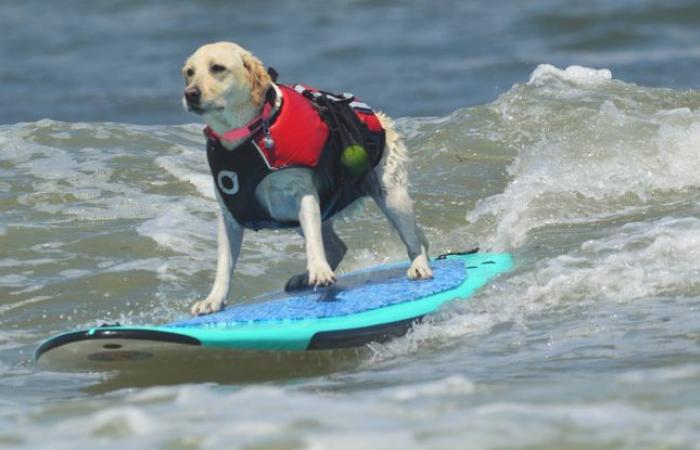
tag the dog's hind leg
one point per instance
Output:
(335, 247)
(335, 251)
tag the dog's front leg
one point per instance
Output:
(320, 273)
(397, 205)
(230, 237)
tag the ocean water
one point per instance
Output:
(567, 134)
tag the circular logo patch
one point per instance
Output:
(227, 181)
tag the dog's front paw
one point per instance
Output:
(321, 274)
(207, 306)
(419, 270)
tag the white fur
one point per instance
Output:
(230, 99)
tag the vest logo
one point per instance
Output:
(228, 182)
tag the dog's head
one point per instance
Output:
(224, 82)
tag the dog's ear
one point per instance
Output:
(257, 77)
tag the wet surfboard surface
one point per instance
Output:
(370, 305)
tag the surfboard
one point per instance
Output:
(370, 305)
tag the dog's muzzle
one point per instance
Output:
(193, 96)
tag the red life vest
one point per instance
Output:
(298, 133)
(297, 136)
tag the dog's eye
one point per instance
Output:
(189, 72)
(217, 68)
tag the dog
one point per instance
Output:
(230, 89)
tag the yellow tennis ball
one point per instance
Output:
(355, 159)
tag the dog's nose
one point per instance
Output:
(192, 95)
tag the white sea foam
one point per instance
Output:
(179, 230)
(72, 274)
(28, 301)
(270, 416)
(602, 162)
(634, 262)
(448, 387)
(13, 280)
(59, 165)
(575, 74)
(190, 166)
(639, 260)
(121, 421)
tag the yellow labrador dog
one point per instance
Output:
(240, 102)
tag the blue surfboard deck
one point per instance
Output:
(369, 305)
